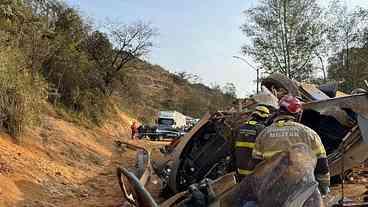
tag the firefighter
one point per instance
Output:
(245, 137)
(134, 130)
(285, 132)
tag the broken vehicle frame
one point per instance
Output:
(352, 140)
(350, 147)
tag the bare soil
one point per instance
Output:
(62, 164)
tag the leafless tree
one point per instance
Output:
(119, 46)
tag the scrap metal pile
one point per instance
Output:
(203, 158)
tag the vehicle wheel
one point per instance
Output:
(281, 81)
(133, 191)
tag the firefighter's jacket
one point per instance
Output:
(244, 143)
(283, 134)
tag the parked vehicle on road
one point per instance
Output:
(171, 120)
(170, 125)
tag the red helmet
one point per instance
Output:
(291, 104)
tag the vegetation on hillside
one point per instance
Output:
(150, 88)
(49, 54)
(302, 40)
(21, 95)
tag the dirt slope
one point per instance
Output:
(61, 164)
(150, 88)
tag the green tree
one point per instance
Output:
(347, 30)
(284, 35)
(353, 76)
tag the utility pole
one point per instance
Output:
(253, 67)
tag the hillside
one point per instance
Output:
(62, 164)
(67, 91)
(150, 88)
(81, 69)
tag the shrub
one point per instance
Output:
(94, 106)
(21, 94)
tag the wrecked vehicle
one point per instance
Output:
(291, 174)
(341, 120)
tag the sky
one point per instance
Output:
(196, 36)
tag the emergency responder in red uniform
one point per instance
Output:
(245, 137)
(285, 132)
(134, 129)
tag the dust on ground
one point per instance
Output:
(63, 164)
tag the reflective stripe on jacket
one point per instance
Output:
(283, 134)
(244, 144)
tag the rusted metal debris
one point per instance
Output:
(205, 152)
(131, 186)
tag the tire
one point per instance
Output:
(281, 81)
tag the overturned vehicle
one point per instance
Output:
(205, 153)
